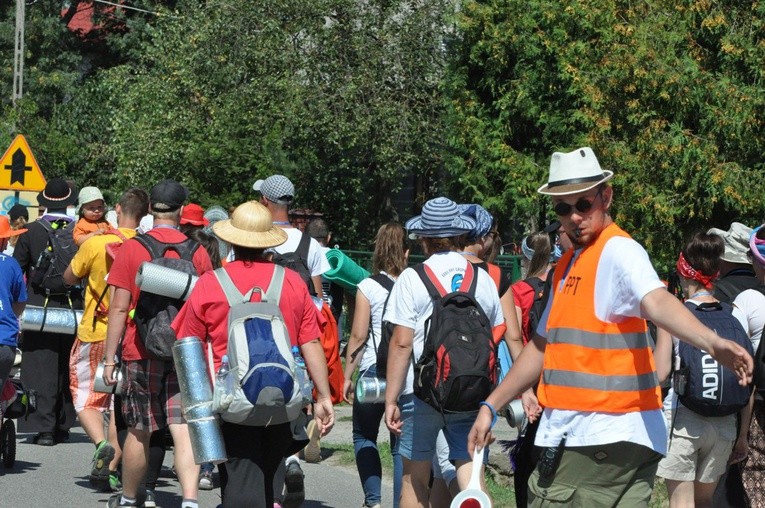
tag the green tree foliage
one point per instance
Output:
(354, 100)
(667, 94)
(340, 96)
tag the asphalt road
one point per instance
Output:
(58, 476)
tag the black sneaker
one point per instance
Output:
(116, 501)
(294, 486)
(149, 502)
(44, 439)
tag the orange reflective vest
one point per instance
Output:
(589, 364)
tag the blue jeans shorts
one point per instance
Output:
(421, 424)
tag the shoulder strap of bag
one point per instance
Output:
(437, 290)
(150, 244)
(274, 291)
(303, 247)
(234, 296)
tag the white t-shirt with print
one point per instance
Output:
(317, 261)
(376, 294)
(410, 304)
(624, 276)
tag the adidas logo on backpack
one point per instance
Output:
(457, 368)
(266, 390)
(702, 384)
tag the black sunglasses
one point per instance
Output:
(582, 205)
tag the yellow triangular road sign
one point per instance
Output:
(19, 169)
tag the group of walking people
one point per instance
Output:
(584, 364)
(453, 341)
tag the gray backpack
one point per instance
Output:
(266, 390)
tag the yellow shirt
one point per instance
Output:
(92, 263)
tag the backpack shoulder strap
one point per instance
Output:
(469, 280)
(437, 290)
(274, 292)
(150, 244)
(48, 228)
(233, 295)
(116, 232)
(186, 249)
(432, 284)
(303, 248)
(383, 280)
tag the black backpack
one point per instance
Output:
(702, 384)
(387, 284)
(457, 369)
(298, 261)
(47, 274)
(728, 287)
(155, 313)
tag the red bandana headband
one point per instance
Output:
(684, 269)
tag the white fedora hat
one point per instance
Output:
(574, 172)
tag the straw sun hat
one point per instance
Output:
(250, 226)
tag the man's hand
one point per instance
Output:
(393, 418)
(348, 391)
(480, 435)
(531, 405)
(735, 357)
(324, 415)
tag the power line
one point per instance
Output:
(131, 8)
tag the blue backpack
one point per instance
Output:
(266, 388)
(702, 384)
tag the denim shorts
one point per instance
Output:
(421, 423)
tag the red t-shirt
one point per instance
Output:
(123, 271)
(524, 296)
(205, 314)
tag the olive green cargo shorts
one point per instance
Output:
(616, 474)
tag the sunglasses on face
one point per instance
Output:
(582, 205)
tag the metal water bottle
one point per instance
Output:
(370, 390)
(301, 374)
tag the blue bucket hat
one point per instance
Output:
(440, 218)
(482, 218)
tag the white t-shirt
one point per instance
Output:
(410, 304)
(749, 309)
(317, 261)
(376, 294)
(623, 278)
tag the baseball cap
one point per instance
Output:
(276, 188)
(168, 195)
